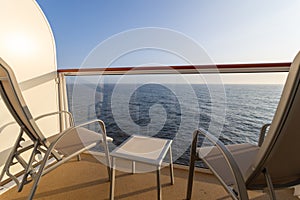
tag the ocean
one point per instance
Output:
(233, 113)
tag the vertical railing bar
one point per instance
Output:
(63, 103)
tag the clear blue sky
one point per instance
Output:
(230, 31)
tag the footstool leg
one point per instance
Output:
(133, 167)
(171, 167)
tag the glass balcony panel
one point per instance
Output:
(173, 106)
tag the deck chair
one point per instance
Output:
(272, 164)
(56, 149)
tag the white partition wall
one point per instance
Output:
(27, 45)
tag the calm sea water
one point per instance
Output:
(234, 113)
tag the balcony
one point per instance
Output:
(88, 178)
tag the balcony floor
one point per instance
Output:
(87, 179)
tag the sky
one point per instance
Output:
(231, 31)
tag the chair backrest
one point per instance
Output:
(12, 96)
(279, 152)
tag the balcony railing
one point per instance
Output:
(183, 69)
(96, 101)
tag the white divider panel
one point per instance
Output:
(27, 45)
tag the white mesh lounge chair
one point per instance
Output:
(60, 147)
(272, 164)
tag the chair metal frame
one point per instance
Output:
(261, 172)
(35, 168)
(238, 193)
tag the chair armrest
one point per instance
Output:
(71, 119)
(63, 133)
(60, 136)
(235, 170)
(262, 135)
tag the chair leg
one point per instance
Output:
(29, 167)
(39, 174)
(8, 162)
(6, 168)
(171, 167)
(190, 179)
(270, 185)
(78, 157)
(11, 157)
(112, 181)
(192, 165)
(159, 196)
(108, 161)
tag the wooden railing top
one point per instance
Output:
(182, 69)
